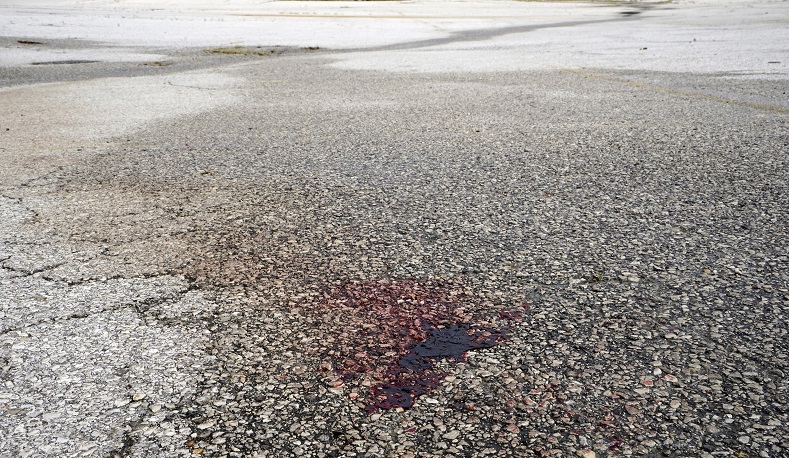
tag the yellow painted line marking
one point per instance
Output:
(712, 98)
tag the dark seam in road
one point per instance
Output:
(479, 35)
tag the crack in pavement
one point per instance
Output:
(136, 306)
(29, 272)
(36, 217)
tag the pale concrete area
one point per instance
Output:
(698, 36)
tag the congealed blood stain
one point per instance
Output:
(413, 373)
(391, 333)
(450, 342)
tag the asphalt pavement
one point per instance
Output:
(394, 229)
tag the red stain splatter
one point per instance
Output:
(395, 331)
(414, 374)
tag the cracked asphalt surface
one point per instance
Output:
(181, 231)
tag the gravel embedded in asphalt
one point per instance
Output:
(196, 286)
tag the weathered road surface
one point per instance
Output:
(199, 249)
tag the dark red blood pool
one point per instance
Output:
(413, 374)
(393, 332)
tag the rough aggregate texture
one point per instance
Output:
(196, 287)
